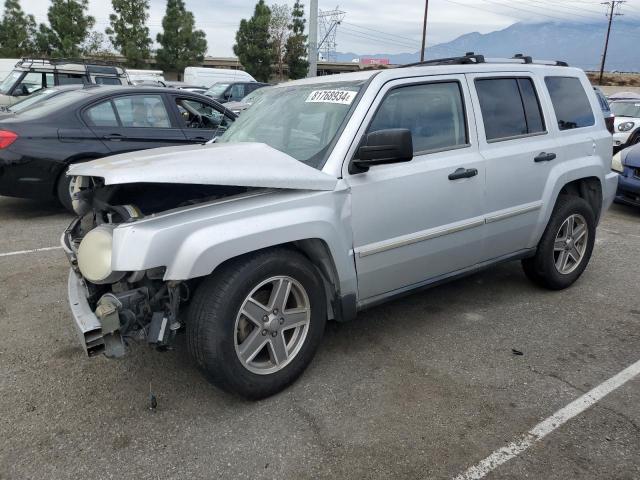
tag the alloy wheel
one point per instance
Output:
(570, 244)
(272, 325)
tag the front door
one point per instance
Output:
(422, 220)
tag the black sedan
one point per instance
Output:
(38, 144)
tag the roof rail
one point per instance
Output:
(472, 58)
(467, 58)
(59, 61)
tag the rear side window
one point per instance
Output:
(102, 115)
(108, 81)
(71, 79)
(434, 113)
(146, 111)
(570, 102)
(510, 107)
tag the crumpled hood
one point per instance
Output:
(233, 164)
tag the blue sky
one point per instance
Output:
(373, 26)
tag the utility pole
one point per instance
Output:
(612, 4)
(313, 39)
(424, 30)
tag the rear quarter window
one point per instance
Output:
(570, 102)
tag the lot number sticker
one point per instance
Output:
(343, 97)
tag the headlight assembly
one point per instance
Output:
(625, 126)
(616, 163)
(94, 256)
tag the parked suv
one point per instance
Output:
(31, 75)
(330, 195)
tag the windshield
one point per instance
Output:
(217, 89)
(7, 83)
(300, 121)
(33, 99)
(253, 96)
(626, 109)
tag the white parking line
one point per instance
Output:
(548, 425)
(34, 250)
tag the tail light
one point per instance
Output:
(7, 138)
(610, 122)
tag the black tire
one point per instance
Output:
(62, 191)
(211, 326)
(541, 268)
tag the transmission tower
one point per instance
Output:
(328, 21)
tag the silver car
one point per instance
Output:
(330, 195)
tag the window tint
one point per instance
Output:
(196, 114)
(70, 79)
(510, 107)
(102, 115)
(142, 111)
(108, 81)
(433, 112)
(570, 102)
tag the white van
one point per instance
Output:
(145, 75)
(205, 77)
(6, 66)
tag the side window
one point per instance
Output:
(570, 102)
(434, 113)
(49, 79)
(237, 91)
(195, 114)
(71, 79)
(147, 111)
(102, 115)
(32, 82)
(510, 107)
(108, 81)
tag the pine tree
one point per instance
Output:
(128, 32)
(69, 26)
(181, 44)
(253, 43)
(17, 31)
(296, 48)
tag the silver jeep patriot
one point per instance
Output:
(330, 195)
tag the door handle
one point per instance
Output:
(545, 157)
(463, 173)
(113, 136)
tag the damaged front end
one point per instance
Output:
(113, 309)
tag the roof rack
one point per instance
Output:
(59, 61)
(472, 58)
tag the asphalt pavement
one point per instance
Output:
(423, 387)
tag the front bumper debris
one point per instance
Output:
(87, 324)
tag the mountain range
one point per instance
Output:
(580, 44)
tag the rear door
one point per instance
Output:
(134, 122)
(519, 149)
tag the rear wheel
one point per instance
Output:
(566, 245)
(255, 324)
(64, 190)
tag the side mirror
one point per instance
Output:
(393, 145)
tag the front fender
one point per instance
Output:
(194, 242)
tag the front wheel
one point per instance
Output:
(255, 324)
(566, 245)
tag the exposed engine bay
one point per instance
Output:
(138, 307)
